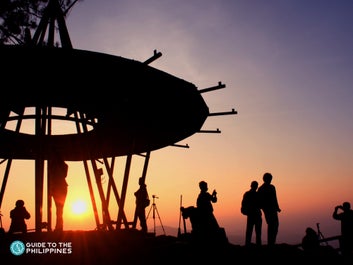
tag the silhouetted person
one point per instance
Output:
(191, 212)
(346, 218)
(208, 222)
(250, 206)
(57, 172)
(269, 205)
(142, 201)
(310, 242)
(18, 216)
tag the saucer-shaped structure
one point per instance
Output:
(131, 106)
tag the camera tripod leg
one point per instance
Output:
(154, 211)
(160, 221)
(320, 235)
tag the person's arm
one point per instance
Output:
(277, 204)
(26, 215)
(214, 196)
(335, 214)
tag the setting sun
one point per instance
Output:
(79, 207)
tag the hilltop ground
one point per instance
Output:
(131, 247)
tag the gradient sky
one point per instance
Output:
(288, 70)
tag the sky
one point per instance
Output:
(288, 70)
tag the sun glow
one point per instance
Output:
(79, 207)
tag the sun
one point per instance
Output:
(79, 207)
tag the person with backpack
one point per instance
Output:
(251, 208)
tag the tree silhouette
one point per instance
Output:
(19, 17)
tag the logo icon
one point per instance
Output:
(17, 248)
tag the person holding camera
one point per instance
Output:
(208, 222)
(344, 213)
(18, 216)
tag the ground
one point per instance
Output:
(133, 248)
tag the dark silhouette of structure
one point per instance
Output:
(250, 206)
(18, 216)
(2, 230)
(270, 207)
(344, 213)
(132, 123)
(57, 172)
(142, 201)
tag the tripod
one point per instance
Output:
(154, 211)
(319, 233)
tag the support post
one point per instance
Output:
(123, 191)
(39, 170)
(144, 172)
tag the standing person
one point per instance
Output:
(208, 222)
(269, 205)
(346, 217)
(57, 172)
(250, 206)
(18, 216)
(142, 201)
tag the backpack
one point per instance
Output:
(244, 211)
(244, 205)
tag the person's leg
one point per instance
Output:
(268, 222)
(258, 228)
(24, 229)
(142, 217)
(59, 217)
(272, 228)
(59, 199)
(248, 233)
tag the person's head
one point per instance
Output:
(203, 185)
(20, 203)
(254, 185)
(267, 178)
(141, 181)
(310, 231)
(346, 206)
